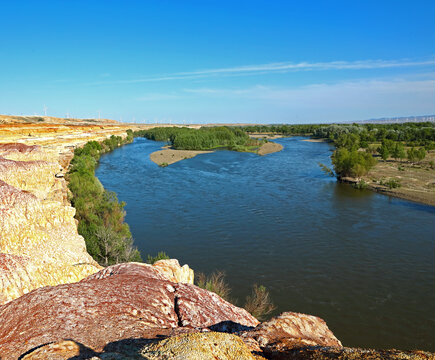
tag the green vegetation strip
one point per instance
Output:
(206, 138)
(99, 213)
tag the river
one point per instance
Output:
(362, 261)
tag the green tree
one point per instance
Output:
(352, 163)
(398, 151)
(412, 154)
(421, 154)
(384, 152)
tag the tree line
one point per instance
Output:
(205, 138)
(99, 213)
(387, 140)
(349, 139)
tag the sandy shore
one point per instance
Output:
(265, 136)
(169, 156)
(315, 140)
(269, 148)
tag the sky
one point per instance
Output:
(218, 61)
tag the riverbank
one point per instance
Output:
(402, 179)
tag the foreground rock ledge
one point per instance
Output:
(135, 311)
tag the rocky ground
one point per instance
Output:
(56, 302)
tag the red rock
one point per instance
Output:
(14, 269)
(93, 312)
(133, 269)
(19, 147)
(290, 331)
(120, 302)
(197, 307)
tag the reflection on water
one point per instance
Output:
(360, 260)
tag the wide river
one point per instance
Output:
(362, 261)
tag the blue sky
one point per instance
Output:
(218, 61)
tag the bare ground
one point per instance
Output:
(169, 156)
(315, 140)
(417, 180)
(269, 148)
(268, 136)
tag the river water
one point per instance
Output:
(362, 261)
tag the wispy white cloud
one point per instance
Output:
(340, 101)
(341, 93)
(281, 67)
(157, 97)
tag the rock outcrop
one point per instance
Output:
(132, 311)
(173, 272)
(120, 302)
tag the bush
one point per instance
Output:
(259, 303)
(215, 283)
(160, 256)
(360, 185)
(391, 183)
(326, 169)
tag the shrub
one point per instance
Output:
(360, 185)
(259, 303)
(391, 183)
(215, 283)
(326, 169)
(161, 255)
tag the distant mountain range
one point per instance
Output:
(402, 119)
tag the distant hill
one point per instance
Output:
(15, 119)
(402, 119)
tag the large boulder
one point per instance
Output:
(174, 272)
(197, 307)
(120, 302)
